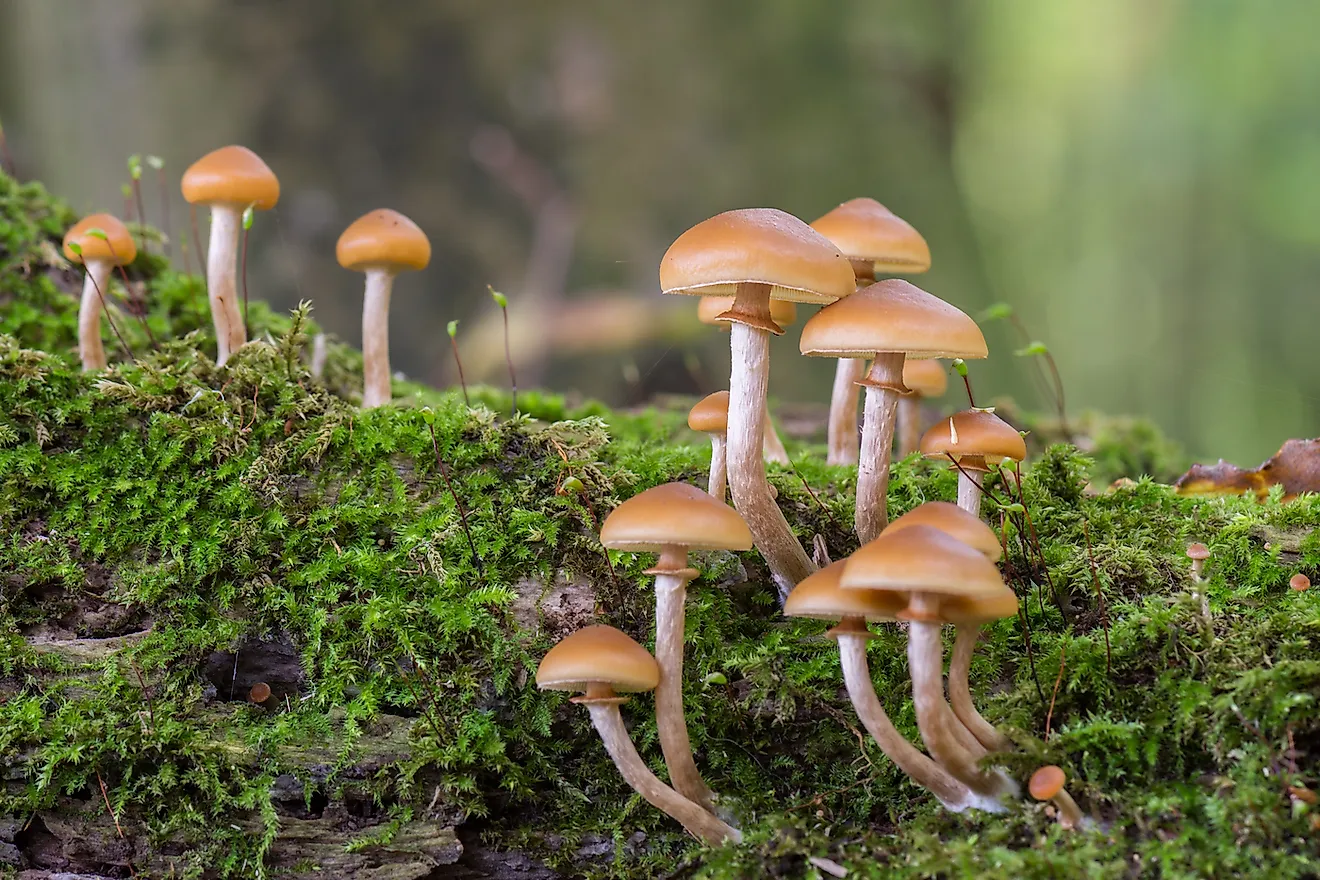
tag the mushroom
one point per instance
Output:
(382, 244)
(976, 440)
(671, 520)
(1198, 553)
(967, 614)
(876, 241)
(924, 379)
(1299, 582)
(711, 416)
(99, 253)
(602, 662)
(229, 180)
(929, 567)
(1046, 784)
(820, 597)
(259, 693)
(758, 255)
(783, 313)
(891, 320)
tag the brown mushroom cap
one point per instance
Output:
(929, 378)
(259, 692)
(674, 514)
(953, 521)
(922, 559)
(711, 414)
(1299, 582)
(383, 239)
(976, 610)
(598, 655)
(1047, 782)
(892, 315)
(1198, 551)
(756, 245)
(820, 596)
(867, 231)
(974, 434)
(231, 175)
(117, 246)
(709, 308)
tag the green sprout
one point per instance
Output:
(156, 162)
(135, 166)
(452, 327)
(1033, 349)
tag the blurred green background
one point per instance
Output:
(1139, 178)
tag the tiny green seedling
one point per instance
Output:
(453, 344)
(248, 216)
(503, 302)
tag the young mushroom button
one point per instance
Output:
(711, 416)
(99, 254)
(381, 244)
(1047, 784)
(976, 440)
(601, 662)
(228, 180)
(671, 520)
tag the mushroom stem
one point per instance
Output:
(909, 424)
(969, 493)
(1070, 815)
(772, 448)
(221, 280)
(670, 593)
(719, 472)
(843, 411)
(608, 721)
(90, 349)
(376, 338)
(950, 792)
(883, 384)
(748, 381)
(960, 694)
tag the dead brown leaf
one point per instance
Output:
(1295, 467)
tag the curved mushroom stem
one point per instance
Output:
(608, 722)
(90, 349)
(748, 380)
(960, 693)
(1070, 815)
(719, 470)
(772, 448)
(909, 424)
(952, 793)
(376, 338)
(883, 383)
(221, 280)
(842, 428)
(969, 492)
(671, 580)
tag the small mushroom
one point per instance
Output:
(1300, 582)
(1198, 553)
(876, 241)
(711, 416)
(671, 520)
(259, 693)
(382, 244)
(228, 180)
(924, 379)
(602, 662)
(99, 254)
(1047, 784)
(976, 440)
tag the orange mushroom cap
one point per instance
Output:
(383, 239)
(1047, 782)
(231, 175)
(117, 246)
(868, 232)
(711, 414)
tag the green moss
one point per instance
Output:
(178, 510)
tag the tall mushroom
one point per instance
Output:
(228, 180)
(603, 662)
(976, 440)
(967, 614)
(892, 320)
(100, 254)
(929, 566)
(876, 241)
(711, 416)
(671, 520)
(820, 597)
(924, 379)
(782, 313)
(758, 255)
(382, 244)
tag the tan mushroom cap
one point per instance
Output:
(383, 239)
(674, 514)
(1047, 782)
(974, 437)
(231, 175)
(711, 414)
(976, 610)
(929, 378)
(892, 315)
(598, 655)
(820, 596)
(761, 245)
(1198, 551)
(953, 521)
(782, 312)
(922, 559)
(117, 246)
(867, 231)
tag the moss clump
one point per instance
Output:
(172, 532)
